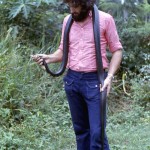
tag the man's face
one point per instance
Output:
(78, 12)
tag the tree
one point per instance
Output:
(124, 8)
(128, 10)
(38, 19)
(97, 2)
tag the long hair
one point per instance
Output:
(88, 3)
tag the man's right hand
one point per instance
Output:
(51, 58)
(38, 58)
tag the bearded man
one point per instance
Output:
(81, 80)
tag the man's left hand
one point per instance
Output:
(107, 84)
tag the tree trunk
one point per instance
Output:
(97, 3)
(125, 14)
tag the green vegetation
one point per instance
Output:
(34, 113)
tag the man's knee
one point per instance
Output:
(79, 130)
(95, 135)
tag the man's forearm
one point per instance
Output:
(55, 57)
(114, 65)
(115, 62)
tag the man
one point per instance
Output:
(81, 81)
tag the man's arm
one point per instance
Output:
(114, 65)
(52, 58)
(115, 62)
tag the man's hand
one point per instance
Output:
(38, 58)
(107, 84)
(51, 58)
(114, 65)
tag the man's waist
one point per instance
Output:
(86, 71)
(85, 67)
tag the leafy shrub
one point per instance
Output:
(140, 90)
(37, 22)
(136, 43)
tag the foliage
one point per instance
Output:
(123, 10)
(136, 49)
(128, 129)
(38, 131)
(30, 119)
(140, 90)
(13, 76)
(34, 20)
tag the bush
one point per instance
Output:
(35, 22)
(140, 90)
(136, 44)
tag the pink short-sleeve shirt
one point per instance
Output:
(81, 55)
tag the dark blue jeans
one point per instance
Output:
(83, 94)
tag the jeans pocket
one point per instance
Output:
(93, 90)
(68, 85)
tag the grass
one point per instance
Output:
(51, 131)
(130, 136)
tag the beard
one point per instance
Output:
(80, 16)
